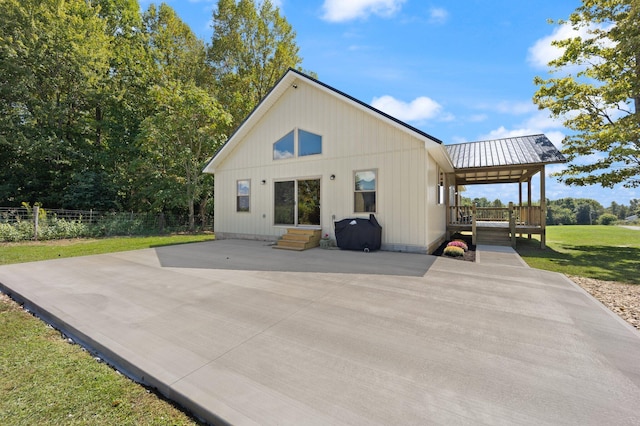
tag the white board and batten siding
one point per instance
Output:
(353, 139)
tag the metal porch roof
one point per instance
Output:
(502, 160)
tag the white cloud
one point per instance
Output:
(346, 10)
(542, 52)
(543, 120)
(555, 136)
(438, 15)
(419, 109)
(502, 132)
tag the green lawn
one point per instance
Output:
(33, 251)
(46, 381)
(610, 253)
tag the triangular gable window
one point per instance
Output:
(297, 143)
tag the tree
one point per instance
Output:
(607, 219)
(187, 124)
(571, 211)
(251, 48)
(53, 56)
(123, 104)
(600, 101)
(178, 140)
(558, 215)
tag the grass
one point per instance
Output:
(609, 253)
(45, 250)
(47, 381)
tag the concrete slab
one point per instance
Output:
(243, 334)
(498, 255)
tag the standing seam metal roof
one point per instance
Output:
(522, 150)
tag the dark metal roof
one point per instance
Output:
(506, 160)
(517, 151)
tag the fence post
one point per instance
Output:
(36, 213)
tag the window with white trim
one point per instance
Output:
(297, 143)
(243, 195)
(364, 193)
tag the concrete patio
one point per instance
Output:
(239, 333)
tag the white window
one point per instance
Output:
(243, 195)
(364, 195)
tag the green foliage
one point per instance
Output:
(52, 57)
(105, 107)
(252, 47)
(178, 139)
(607, 219)
(571, 211)
(50, 227)
(596, 91)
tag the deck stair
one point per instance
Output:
(493, 236)
(299, 239)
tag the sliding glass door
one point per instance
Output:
(297, 202)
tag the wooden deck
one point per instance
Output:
(494, 225)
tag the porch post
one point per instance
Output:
(543, 210)
(473, 225)
(520, 203)
(512, 225)
(447, 203)
(529, 203)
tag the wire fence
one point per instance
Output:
(37, 223)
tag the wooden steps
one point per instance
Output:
(493, 236)
(299, 239)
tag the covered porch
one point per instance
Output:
(502, 161)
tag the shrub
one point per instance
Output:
(458, 243)
(17, 231)
(454, 251)
(54, 229)
(607, 219)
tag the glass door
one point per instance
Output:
(284, 203)
(309, 202)
(297, 202)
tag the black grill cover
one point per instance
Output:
(359, 234)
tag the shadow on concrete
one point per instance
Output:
(260, 256)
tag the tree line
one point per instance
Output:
(104, 106)
(574, 211)
(108, 107)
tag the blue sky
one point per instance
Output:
(461, 71)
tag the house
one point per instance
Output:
(309, 155)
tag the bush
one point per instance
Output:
(607, 219)
(17, 231)
(458, 243)
(454, 251)
(57, 229)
